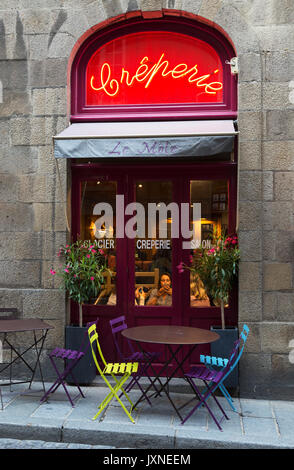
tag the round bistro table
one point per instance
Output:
(174, 337)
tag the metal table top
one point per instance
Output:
(23, 324)
(170, 334)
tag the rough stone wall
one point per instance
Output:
(36, 40)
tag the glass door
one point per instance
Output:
(95, 202)
(153, 291)
(136, 215)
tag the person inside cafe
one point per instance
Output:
(163, 294)
(162, 261)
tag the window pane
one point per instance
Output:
(101, 233)
(213, 197)
(153, 249)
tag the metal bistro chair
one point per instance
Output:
(124, 370)
(212, 379)
(211, 362)
(117, 325)
(71, 358)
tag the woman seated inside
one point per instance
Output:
(162, 295)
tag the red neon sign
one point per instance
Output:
(154, 67)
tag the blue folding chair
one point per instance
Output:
(211, 362)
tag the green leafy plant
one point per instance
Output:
(82, 272)
(217, 269)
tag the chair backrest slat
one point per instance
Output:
(117, 325)
(93, 336)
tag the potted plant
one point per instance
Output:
(82, 275)
(217, 268)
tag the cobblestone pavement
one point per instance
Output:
(34, 444)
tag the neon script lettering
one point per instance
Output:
(145, 73)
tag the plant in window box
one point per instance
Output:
(218, 268)
(82, 275)
(82, 272)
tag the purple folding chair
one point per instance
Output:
(70, 358)
(117, 325)
(212, 379)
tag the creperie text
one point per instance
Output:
(145, 73)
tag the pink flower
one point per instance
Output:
(180, 267)
(75, 275)
(92, 278)
(52, 272)
(94, 251)
(101, 251)
(66, 270)
(88, 256)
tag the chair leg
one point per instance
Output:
(135, 380)
(202, 400)
(77, 385)
(216, 401)
(127, 375)
(114, 393)
(227, 396)
(60, 381)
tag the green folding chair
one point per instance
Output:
(124, 370)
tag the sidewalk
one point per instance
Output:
(259, 424)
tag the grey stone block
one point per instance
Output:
(278, 155)
(278, 65)
(279, 124)
(278, 215)
(14, 74)
(242, 34)
(250, 185)
(250, 244)
(249, 125)
(56, 72)
(250, 67)
(250, 306)
(20, 273)
(16, 217)
(249, 95)
(250, 282)
(51, 302)
(277, 276)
